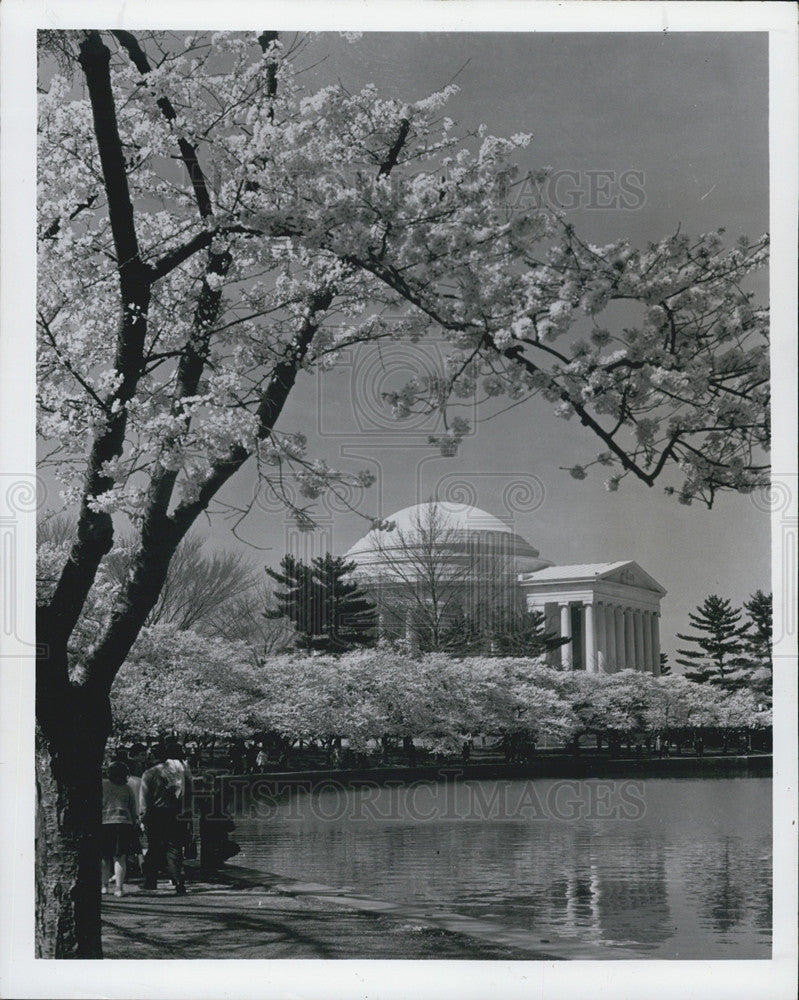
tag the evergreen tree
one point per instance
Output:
(349, 618)
(329, 611)
(524, 633)
(300, 600)
(462, 636)
(720, 640)
(665, 668)
(759, 667)
(759, 636)
(510, 633)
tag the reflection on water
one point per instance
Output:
(689, 876)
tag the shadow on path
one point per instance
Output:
(257, 923)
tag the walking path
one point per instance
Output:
(214, 921)
(273, 917)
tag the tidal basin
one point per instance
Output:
(668, 868)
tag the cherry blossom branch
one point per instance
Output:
(52, 230)
(95, 529)
(166, 264)
(188, 152)
(103, 404)
(161, 533)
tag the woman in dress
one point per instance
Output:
(120, 814)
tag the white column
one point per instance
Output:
(640, 660)
(590, 639)
(381, 623)
(621, 645)
(411, 635)
(655, 624)
(650, 666)
(629, 639)
(610, 632)
(601, 640)
(565, 633)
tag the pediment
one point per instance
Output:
(631, 575)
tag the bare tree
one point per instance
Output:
(244, 619)
(433, 574)
(200, 586)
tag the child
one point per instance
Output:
(119, 826)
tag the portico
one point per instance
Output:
(610, 612)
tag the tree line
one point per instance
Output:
(256, 660)
(371, 696)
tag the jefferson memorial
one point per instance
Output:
(609, 612)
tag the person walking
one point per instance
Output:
(165, 789)
(119, 837)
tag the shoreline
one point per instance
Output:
(749, 765)
(243, 913)
(254, 915)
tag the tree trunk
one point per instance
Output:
(69, 753)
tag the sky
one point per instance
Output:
(684, 118)
(646, 133)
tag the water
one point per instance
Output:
(670, 868)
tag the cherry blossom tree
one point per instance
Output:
(209, 230)
(179, 682)
(383, 694)
(608, 704)
(684, 382)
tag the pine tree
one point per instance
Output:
(462, 636)
(300, 600)
(349, 618)
(524, 633)
(509, 633)
(718, 659)
(329, 611)
(759, 666)
(759, 637)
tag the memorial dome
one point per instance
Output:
(463, 531)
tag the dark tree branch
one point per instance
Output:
(515, 353)
(201, 241)
(188, 153)
(52, 230)
(95, 62)
(95, 529)
(161, 534)
(265, 39)
(393, 154)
